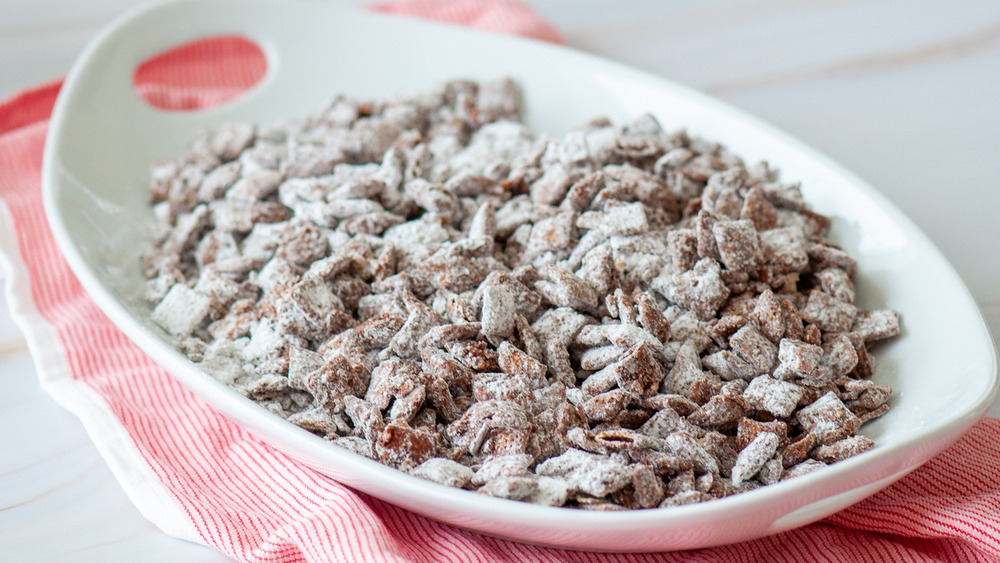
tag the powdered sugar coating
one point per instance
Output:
(778, 398)
(618, 318)
(443, 471)
(754, 456)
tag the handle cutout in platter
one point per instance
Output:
(202, 74)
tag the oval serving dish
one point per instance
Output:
(103, 138)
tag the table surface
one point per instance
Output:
(902, 92)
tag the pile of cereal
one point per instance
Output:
(619, 318)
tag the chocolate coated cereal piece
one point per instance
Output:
(837, 283)
(687, 377)
(725, 327)
(443, 471)
(758, 209)
(551, 492)
(357, 445)
(719, 412)
(442, 334)
(320, 422)
(526, 300)
(623, 439)
(755, 348)
(754, 456)
(826, 256)
(405, 407)
(661, 424)
(438, 395)
(863, 394)
(516, 363)
(703, 225)
(828, 420)
(646, 489)
(839, 451)
(797, 359)
(748, 429)
(608, 405)
(510, 465)
(561, 324)
(638, 370)
(700, 289)
(627, 219)
(501, 387)
(876, 325)
(182, 310)
(400, 445)
(685, 497)
(682, 444)
(651, 318)
(421, 319)
(391, 378)
(447, 367)
(367, 418)
(729, 366)
(375, 333)
(493, 427)
(498, 312)
(803, 468)
(778, 398)
(526, 339)
(797, 451)
(599, 357)
(591, 474)
(787, 196)
(554, 235)
(738, 244)
(785, 249)
(873, 414)
(828, 313)
(772, 471)
(768, 316)
(839, 356)
(564, 289)
(475, 354)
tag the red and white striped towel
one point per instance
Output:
(200, 477)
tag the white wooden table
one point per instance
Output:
(904, 93)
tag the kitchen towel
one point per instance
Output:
(200, 477)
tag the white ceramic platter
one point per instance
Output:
(103, 138)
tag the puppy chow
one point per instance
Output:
(617, 318)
